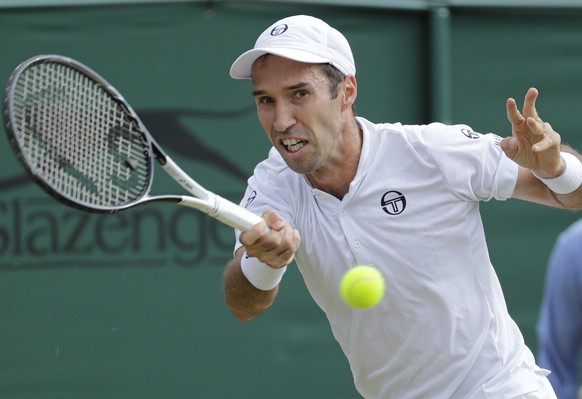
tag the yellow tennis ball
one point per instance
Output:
(362, 287)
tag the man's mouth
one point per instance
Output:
(293, 145)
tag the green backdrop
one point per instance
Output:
(130, 305)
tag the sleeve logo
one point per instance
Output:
(470, 134)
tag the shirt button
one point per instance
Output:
(343, 212)
(357, 244)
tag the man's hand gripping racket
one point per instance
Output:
(83, 144)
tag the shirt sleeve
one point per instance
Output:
(266, 191)
(473, 165)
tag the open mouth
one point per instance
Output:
(293, 145)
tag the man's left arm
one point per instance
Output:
(550, 173)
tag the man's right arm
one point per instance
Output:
(244, 300)
(272, 246)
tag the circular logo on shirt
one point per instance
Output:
(279, 30)
(393, 202)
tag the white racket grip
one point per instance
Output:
(233, 215)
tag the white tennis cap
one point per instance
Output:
(301, 38)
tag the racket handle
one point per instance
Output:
(233, 215)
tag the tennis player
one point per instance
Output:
(338, 190)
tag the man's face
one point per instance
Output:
(298, 114)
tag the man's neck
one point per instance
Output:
(337, 182)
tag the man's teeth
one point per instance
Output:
(293, 144)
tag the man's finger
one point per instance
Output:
(513, 114)
(529, 104)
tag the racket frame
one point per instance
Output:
(204, 200)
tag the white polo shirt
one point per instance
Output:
(442, 329)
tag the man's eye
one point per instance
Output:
(301, 93)
(265, 100)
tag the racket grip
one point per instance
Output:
(233, 215)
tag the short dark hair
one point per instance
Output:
(335, 76)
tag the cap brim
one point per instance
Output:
(241, 68)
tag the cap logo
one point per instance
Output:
(279, 30)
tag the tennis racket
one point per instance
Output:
(82, 143)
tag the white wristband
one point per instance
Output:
(263, 277)
(568, 181)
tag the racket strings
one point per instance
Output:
(78, 138)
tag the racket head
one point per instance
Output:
(76, 135)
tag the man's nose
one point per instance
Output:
(284, 117)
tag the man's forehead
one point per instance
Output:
(285, 73)
(268, 61)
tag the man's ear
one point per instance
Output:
(350, 90)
